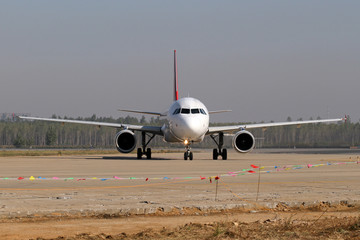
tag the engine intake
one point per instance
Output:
(125, 141)
(243, 141)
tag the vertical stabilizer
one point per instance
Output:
(176, 89)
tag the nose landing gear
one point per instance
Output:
(188, 154)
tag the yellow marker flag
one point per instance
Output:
(32, 178)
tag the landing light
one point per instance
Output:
(186, 142)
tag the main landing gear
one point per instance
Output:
(220, 151)
(141, 151)
(188, 154)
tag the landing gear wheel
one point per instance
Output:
(144, 143)
(220, 143)
(148, 153)
(139, 153)
(224, 154)
(186, 156)
(215, 154)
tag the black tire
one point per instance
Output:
(191, 156)
(148, 153)
(139, 153)
(186, 156)
(215, 154)
(224, 154)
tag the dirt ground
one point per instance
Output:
(169, 198)
(232, 224)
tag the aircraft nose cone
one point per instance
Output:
(193, 129)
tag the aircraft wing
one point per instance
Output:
(151, 129)
(265, 125)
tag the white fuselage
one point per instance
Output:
(188, 121)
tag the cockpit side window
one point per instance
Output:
(195, 111)
(202, 111)
(185, 111)
(177, 111)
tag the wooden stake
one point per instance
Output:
(217, 181)
(258, 188)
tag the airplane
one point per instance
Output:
(187, 123)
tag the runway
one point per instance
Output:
(87, 190)
(68, 185)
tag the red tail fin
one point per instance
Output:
(176, 89)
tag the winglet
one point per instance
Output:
(176, 89)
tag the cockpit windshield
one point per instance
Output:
(185, 111)
(195, 111)
(189, 111)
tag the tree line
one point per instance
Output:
(39, 134)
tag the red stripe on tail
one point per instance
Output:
(176, 89)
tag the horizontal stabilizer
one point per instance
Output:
(219, 111)
(142, 112)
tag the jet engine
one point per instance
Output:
(125, 141)
(243, 141)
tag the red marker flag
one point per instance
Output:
(254, 166)
(202, 178)
(251, 171)
(147, 179)
(20, 178)
(217, 178)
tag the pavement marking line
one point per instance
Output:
(275, 183)
(100, 187)
(157, 184)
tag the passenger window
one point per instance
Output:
(185, 111)
(195, 111)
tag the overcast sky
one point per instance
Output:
(265, 60)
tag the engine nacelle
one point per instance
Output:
(125, 141)
(243, 141)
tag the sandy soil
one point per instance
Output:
(54, 207)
